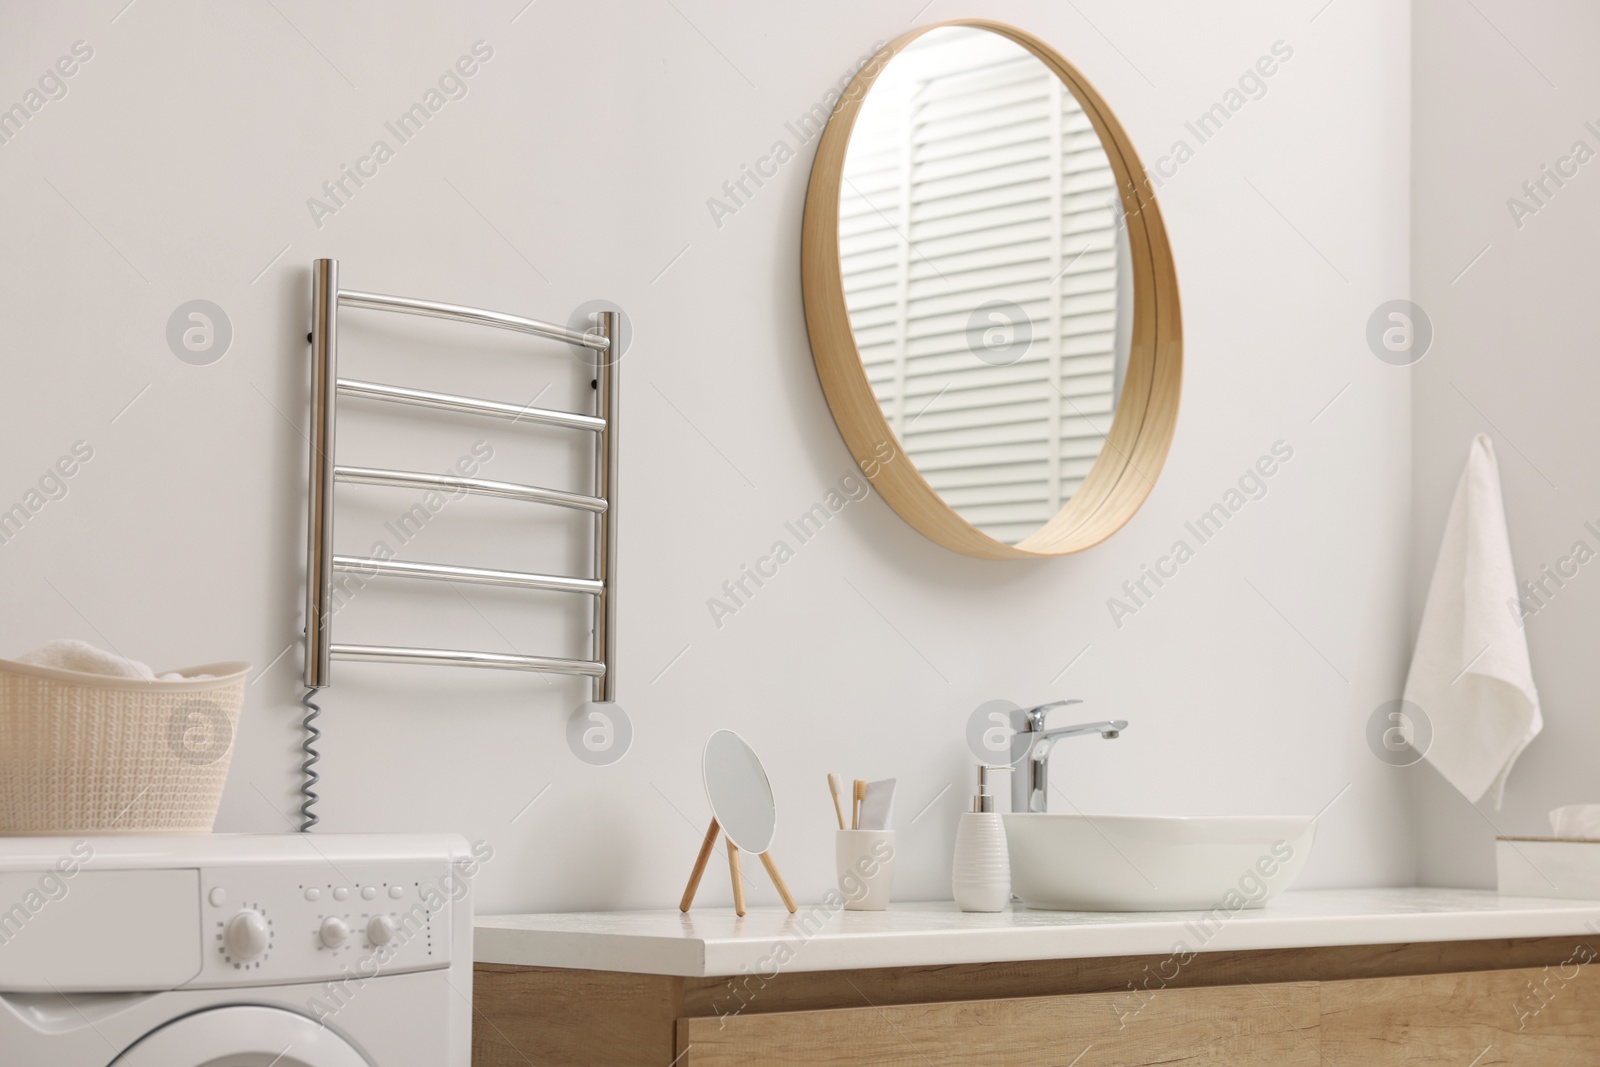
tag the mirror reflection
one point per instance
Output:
(986, 274)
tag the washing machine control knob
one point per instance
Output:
(334, 932)
(246, 935)
(380, 931)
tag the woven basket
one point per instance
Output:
(89, 753)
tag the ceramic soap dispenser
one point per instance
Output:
(982, 876)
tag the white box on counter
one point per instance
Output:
(1565, 868)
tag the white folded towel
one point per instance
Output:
(1576, 821)
(73, 655)
(1470, 673)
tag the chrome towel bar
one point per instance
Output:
(444, 657)
(477, 316)
(371, 566)
(481, 486)
(422, 398)
(322, 564)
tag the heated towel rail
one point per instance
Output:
(321, 563)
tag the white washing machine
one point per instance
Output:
(292, 950)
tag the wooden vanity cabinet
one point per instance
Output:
(1532, 1001)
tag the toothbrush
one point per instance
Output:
(835, 788)
(855, 808)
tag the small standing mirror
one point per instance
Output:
(742, 810)
(738, 791)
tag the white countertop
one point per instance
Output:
(714, 941)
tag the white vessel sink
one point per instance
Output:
(1063, 862)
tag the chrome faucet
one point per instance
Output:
(1030, 774)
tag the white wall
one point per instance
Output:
(579, 166)
(1500, 93)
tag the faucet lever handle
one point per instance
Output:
(1032, 719)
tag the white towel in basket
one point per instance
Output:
(70, 654)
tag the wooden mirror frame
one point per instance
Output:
(1142, 426)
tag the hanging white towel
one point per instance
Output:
(1470, 673)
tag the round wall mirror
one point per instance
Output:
(990, 294)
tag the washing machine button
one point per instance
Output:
(334, 932)
(246, 935)
(380, 931)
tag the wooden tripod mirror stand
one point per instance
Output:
(742, 810)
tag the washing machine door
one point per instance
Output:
(242, 1037)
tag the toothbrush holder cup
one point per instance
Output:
(865, 860)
